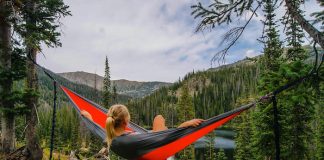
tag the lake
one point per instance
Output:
(224, 139)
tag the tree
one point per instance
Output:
(185, 108)
(38, 21)
(223, 12)
(319, 129)
(7, 118)
(297, 107)
(297, 103)
(221, 155)
(114, 95)
(263, 136)
(317, 35)
(210, 153)
(185, 111)
(107, 86)
(243, 138)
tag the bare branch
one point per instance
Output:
(232, 36)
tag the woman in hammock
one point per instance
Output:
(119, 117)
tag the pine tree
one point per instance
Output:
(296, 113)
(114, 95)
(319, 130)
(294, 35)
(38, 22)
(210, 153)
(297, 103)
(243, 139)
(185, 111)
(263, 136)
(185, 108)
(221, 12)
(221, 155)
(107, 86)
(6, 83)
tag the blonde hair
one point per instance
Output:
(117, 115)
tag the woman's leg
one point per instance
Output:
(159, 123)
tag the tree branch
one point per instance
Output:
(238, 31)
(309, 28)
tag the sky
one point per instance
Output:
(147, 40)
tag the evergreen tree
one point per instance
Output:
(294, 35)
(185, 111)
(296, 112)
(317, 144)
(107, 86)
(210, 153)
(243, 139)
(263, 136)
(319, 130)
(38, 21)
(297, 103)
(224, 12)
(6, 83)
(114, 95)
(221, 155)
(185, 108)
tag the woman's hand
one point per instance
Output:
(191, 123)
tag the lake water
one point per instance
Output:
(224, 139)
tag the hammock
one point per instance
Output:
(147, 145)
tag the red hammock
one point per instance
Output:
(148, 146)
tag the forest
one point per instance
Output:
(285, 83)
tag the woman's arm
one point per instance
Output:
(191, 123)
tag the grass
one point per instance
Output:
(56, 155)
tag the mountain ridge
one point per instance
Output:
(135, 89)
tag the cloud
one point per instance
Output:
(144, 40)
(251, 53)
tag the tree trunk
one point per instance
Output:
(309, 28)
(7, 118)
(32, 146)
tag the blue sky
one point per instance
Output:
(147, 40)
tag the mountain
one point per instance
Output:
(214, 91)
(46, 89)
(133, 89)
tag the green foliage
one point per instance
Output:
(243, 128)
(319, 118)
(185, 111)
(297, 110)
(263, 135)
(187, 154)
(210, 153)
(221, 155)
(185, 108)
(16, 96)
(213, 92)
(107, 98)
(319, 130)
(114, 95)
(39, 23)
(319, 16)
(220, 12)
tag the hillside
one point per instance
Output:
(214, 91)
(46, 89)
(130, 88)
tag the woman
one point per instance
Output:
(118, 119)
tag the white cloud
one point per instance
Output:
(144, 40)
(251, 53)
